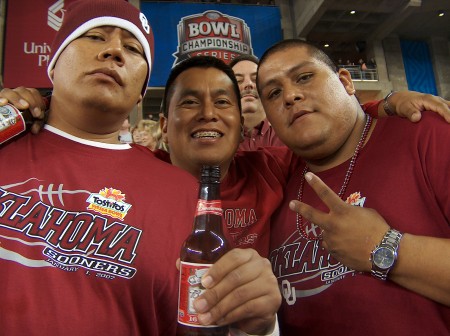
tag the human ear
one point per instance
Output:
(346, 80)
(163, 125)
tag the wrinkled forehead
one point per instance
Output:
(201, 81)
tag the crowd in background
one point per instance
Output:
(361, 69)
(145, 133)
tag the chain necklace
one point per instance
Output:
(301, 228)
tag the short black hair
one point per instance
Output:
(313, 50)
(198, 62)
(243, 57)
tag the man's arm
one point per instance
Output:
(351, 233)
(408, 104)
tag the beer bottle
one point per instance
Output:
(204, 246)
(13, 122)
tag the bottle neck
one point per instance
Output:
(209, 191)
(209, 213)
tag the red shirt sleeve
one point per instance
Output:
(371, 108)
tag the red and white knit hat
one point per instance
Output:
(83, 15)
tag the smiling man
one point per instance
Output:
(202, 121)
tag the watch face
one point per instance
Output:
(384, 257)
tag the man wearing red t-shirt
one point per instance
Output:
(336, 260)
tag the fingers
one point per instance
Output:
(328, 196)
(415, 116)
(226, 265)
(241, 287)
(24, 98)
(411, 104)
(37, 126)
(428, 102)
(443, 109)
(13, 97)
(310, 214)
(439, 105)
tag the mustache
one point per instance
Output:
(252, 92)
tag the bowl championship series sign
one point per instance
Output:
(212, 33)
(225, 31)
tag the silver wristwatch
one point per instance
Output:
(387, 106)
(384, 255)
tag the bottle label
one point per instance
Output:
(190, 288)
(11, 122)
(209, 207)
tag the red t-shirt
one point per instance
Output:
(89, 237)
(402, 172)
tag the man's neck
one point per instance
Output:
(85, 130)
(253, 118)
(347, 150)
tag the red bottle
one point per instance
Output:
(204, 246)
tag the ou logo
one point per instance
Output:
(144, 22)
(288, 292)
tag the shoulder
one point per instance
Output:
(158, 164)
(162, 155)
(430, 118)
(431, 131)
(430, 122)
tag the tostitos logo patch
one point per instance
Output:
(110, 202)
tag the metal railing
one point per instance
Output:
(361, 75)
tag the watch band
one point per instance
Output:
(391, 240)
(386, 106)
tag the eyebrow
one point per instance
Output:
(193, 92)
(286, 72)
